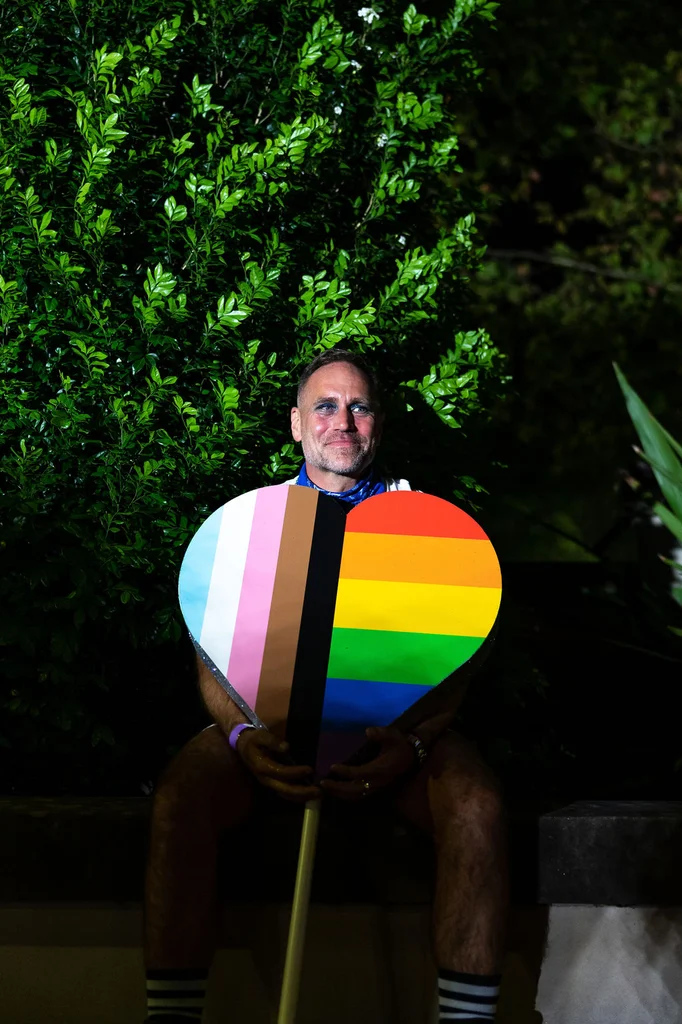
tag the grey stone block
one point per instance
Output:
(611, 853)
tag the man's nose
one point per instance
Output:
(343, 420)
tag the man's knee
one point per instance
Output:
(205, 780)
(468, 794)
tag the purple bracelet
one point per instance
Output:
(236, 733)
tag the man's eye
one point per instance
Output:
(324, 406)
(359, 407)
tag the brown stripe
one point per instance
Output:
(279, 656)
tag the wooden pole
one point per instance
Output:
(299, 914)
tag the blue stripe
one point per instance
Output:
(195, 572)
(357, 703)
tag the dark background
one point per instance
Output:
(574, 140)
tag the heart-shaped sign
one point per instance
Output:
(318, 622)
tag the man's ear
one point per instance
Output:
(296, 424)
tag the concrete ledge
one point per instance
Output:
(601, 853)
(616, 853)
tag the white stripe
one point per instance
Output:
(167, 985)
(462, 1004)
(217, 630)
(468, 990)
(462, 1017)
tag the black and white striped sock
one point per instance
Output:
(467, 997)
(175, 995)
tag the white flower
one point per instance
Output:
(402, 239)
(338, 109)
(382, 140)
(368, 14)
(356, 65)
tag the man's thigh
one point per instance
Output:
(453, 779)
(206, 777)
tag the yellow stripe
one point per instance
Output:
(416, 607)
(451, 561)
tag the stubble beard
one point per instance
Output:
(362, 457)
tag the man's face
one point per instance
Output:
(337, 421)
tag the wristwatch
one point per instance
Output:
(420, 751)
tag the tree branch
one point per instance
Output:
(523, 255)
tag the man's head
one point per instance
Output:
(337, 417)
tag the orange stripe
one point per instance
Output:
(411, 512)
(409, 559)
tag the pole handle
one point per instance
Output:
(299, 914)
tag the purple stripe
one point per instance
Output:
(251, 627)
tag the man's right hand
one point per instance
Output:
(259, 749)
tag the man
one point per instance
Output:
(435, 777)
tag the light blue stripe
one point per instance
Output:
(195, 572)
(354, 704)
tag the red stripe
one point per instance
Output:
(412, 514)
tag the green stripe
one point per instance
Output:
(380, 655)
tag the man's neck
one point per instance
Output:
(327, 481)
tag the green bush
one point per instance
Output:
(194, 200)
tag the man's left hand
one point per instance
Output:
(396, 757)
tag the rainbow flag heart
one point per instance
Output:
(319, 622)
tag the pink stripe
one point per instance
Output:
(251, 627)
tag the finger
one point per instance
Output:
(352, 790)
(371, 771)
(262, 765)
(265, 738)
(344, 790)
(384, 734)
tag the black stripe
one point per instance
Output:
(174, 1012)
(174, 1008)
(169, 1015)
(470, 979)
(180, 993)
(315, 637)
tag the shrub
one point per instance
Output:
(194, 200)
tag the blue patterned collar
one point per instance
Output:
(368, 485)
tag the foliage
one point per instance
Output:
(662, 452)
(194, 200)
(575, 142)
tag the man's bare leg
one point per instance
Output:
(205, 791)
(455, 798)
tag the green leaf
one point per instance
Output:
(671, 521)
(656, 444)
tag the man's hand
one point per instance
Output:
(395, 758)
(259, 749)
